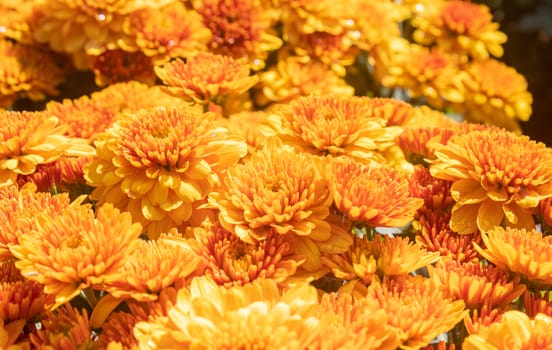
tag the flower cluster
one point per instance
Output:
(218, 175)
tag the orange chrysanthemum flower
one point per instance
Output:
(77, 27)
(119, 327)
(28, 139)
(515, 330)
(373, 260)
(333, 125)
(416, 307)
(18, 20)
(278, 190)
(292, 78)
(10, 336)
(206, 77)
(28, 71)
(435, 192)
(116, 66)
(545, 212)
(241, 28)
(175, 162)
(538, 303)
(22, 300)
(498, 177)
(523, 252)
(18, 212)
(495, 94)
(395, 112)
(233, 262)
(247, 124)
(207, 315)
(75, 249)
(351, 323)
(151, 267)
(480, 319)
(9, 273)
(63, 328)
(375, 195)
(460, 27)
(476, 284)
(165, 33)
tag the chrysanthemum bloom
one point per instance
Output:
(18, 211)
(77, 27)
(10, 335)
(395, 112)
(66, 327)
(416, 307)
(116, 66)
(240, 28)
(460, 27)
(165, 33)
(9, 273)
(545, 212)
(350, 323)
(333, 125)
(28, 71)
(156, 163)
(370, 260)
(523, 252)
(206, 77)
(515, 330)
(211, 316)
(480, 319)
(233, 262)
(279, 190)
(435, 192)
(476, 284)
(23, 300)
(151, 267)
(434, 233)
(18, 20)
(538, 302)
(75, 249)
(119, 327)
(498, 178)
(28, 139)
(372, 195)
(495, 94)
(291, 78)
(247, 124)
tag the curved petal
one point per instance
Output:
(490, 215)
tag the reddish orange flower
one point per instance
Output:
(64, 328)
(476, 284)
(538, 303)
(206, 77)
(23, 300)
(116, 66)
(482, 318)
(376, 195)
(498, 178)
(523, 252)
(240, 28)
(435, 192)
(233, 262)
(119, 327)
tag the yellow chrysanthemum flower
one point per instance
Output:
(515, 330)
(28, 139)
(523, 252)
(211, 316)
(157, 163)
(498, 177)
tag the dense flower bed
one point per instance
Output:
(251, 174)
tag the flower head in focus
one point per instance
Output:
(206, 77)
(523, 252)
(75, 249)
(176, 161)
(498, 178)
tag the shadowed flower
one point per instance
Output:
(498, 177)
(240, 28)
(28, 139)
(476, 284)
(175, 162)
(75, 249)
(460, 27)
(18, 212)
(523, 252)
(515, 330)
(23, 300)
(538, 303)
(9, 273)
(416, 307)
(10, 336)
(207, 315)
(291, 78)
(28, 71)
(165, 33)
(373, 195)
(116, 66)
(150, 267)
(206, 77)
(333, 125)
(233, 262)
(435, 192)
(64, 328)
(495, 94)
(351, 323)
(119, 327)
